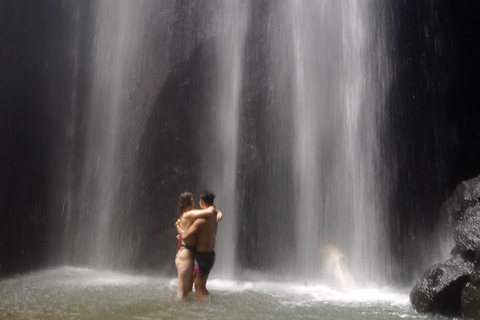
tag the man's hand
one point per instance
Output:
(177, 222)
(180, 231)
(219, 216)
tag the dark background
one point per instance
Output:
(433, 110)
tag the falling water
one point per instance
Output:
(336, 147)
(105, 146)
(110, 137)
(69, 138)
(220, 167)
(318, 135)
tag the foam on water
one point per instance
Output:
(90, 277)
(314, 292)
(84, 277)
(80, 293)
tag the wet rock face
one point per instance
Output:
(471, 297)
(465, 196)
(440, 288)
(467, 230)
(452, 288)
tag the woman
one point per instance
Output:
(186, 250)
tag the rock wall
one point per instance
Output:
(452, 288)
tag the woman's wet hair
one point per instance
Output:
(184, 201)
(208, 197)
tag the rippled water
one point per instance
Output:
(74, 293)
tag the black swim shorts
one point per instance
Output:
(205, 261)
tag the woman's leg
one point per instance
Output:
(184, 264)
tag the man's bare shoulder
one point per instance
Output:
(200, 221)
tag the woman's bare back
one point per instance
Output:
(185, 224)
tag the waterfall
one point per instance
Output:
(336, 148)
(220, 162)
(104, 191)
(107, 149)
(289, 137)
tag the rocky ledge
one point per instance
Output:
(452, 288)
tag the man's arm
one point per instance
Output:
(195, 214)
(180, 231)
(193, 230)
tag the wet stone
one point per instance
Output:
(471, 300)
(467, 230)
(440, 288)
(466, 195)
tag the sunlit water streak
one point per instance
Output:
(317, 160)
(220, 163)
(75, 293)
(336, 138)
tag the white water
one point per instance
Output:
(220, 164)
(102, 177)
(322, 50)
(74, 293)
(336, 154)
(109, 149)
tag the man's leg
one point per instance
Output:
(201, 287)
(205, 261)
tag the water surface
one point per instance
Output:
(75, 293)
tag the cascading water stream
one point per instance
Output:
(335, 153)
(306, 173)
(361, 144)
(110, 145)
(70, 134)
(105, 119)
(220, 165)
(321, 134)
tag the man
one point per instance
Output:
(205, 229)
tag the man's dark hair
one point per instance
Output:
(208, 197)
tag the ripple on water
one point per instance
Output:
(76, 293)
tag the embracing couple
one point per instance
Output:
(197, 230)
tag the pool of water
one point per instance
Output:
(75, 293)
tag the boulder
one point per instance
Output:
(466, 194)
(467, 230)
(471, 297)
(452, 288)
(440, 288)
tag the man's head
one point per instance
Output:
(206, 199)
